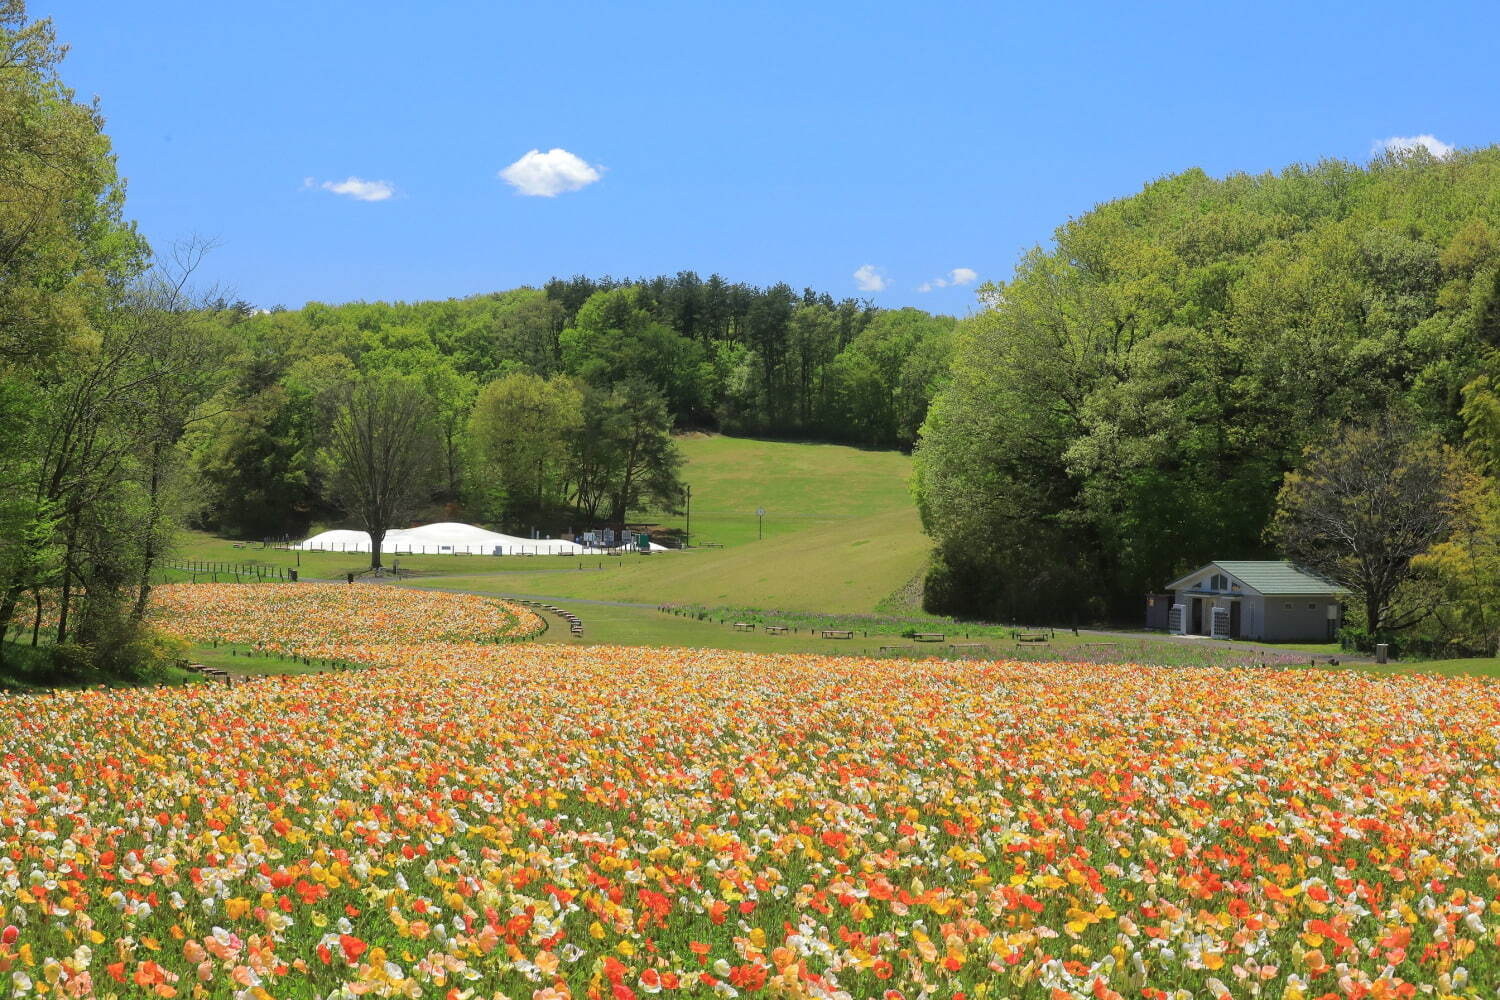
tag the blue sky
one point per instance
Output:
(863, 149)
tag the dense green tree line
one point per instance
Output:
(670, 352)
(105, 364)
(1128, 407)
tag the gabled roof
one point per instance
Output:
(1269, 576)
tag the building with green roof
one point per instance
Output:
(1268, 600)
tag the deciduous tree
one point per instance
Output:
(1363, 505)
(382, 452)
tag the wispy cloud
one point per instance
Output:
(870, 278)
(957, 276)
(358, 188)
(549, 174)
(1407, 143)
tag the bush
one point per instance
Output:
(136, 653)
(71, 663)
(1355, 638)
(146, 655)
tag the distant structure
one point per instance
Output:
(1268, 600)
(450, 538)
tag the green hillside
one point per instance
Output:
(801, 487)
(841, 534)
(846, 567)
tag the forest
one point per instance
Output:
(555, 406)
(1143, 393)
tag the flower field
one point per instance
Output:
(480, 820)
(281, 618)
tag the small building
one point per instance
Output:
(1268, 600)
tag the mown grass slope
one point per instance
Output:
(841, 534)
(847, 567)
(802, 487)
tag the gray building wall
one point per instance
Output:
(1253, 617)
(1306, 620)
(1267, 619)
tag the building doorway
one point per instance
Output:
(1197, 628)
(1234, 620)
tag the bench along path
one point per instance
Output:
(575, 624)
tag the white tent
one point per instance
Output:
(440, 539)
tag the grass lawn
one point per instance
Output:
(1481, 665)
(802, 487)
(239, 660)
(843, 567)
(841, 535)
(631, 626)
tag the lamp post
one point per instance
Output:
(760, 523)
(687, 533)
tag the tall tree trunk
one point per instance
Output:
(377, 539)
(11, 600)
(67, 585)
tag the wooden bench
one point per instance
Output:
(1033, 636)
(893, 649)
(775, 629)
(1101, 645)
(968, 647)
(744, 626)
(930, 636)
(837, 633)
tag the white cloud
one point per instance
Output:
(870, 278)
(549, 174)
(1407, 143)
(957, 276)
(361, 190)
